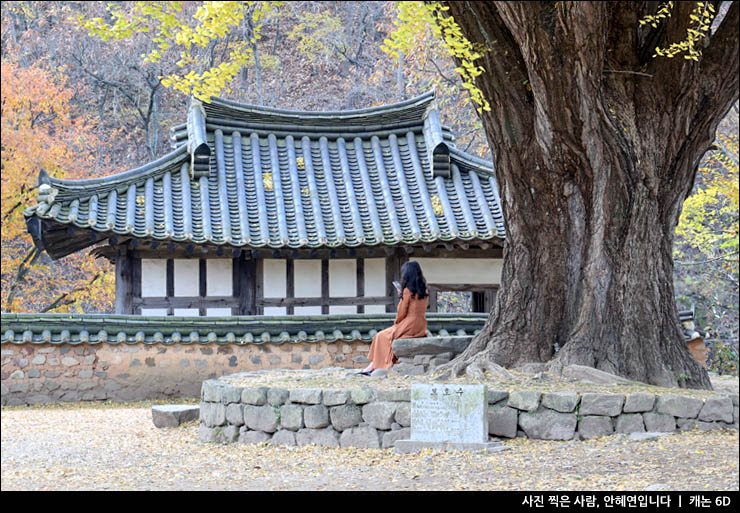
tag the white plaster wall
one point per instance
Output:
(274, 279)
(375, 282)
(343, 283)
(462, 270)
(308, 279)
(186, 312)
(218, 312)
(187, 277)
(153, 311)
(343, 309)
(153, 277)
(342, 278)
(375, 278)
(374, 309)
(307, 310)
(219, 279)
(274, 310)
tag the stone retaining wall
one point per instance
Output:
(375, 418)
(42, 373)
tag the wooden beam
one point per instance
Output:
(202, 278)
(360, 265)
(325, 286)
(170, 281)
(250, 283)
(464, 287)
(259, 283)
(392, 273)
(332, 301)
(136, 281)
(187, 302)
(421, 251)
(202, 282)
(289, 284)
(432, 299)
(493, 252)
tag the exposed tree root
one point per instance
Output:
(473, 362)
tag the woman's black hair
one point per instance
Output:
(413, 279)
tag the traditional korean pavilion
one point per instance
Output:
(263, 211)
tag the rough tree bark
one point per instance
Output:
(596, 145)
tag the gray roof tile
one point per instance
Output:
(130, 329)
(251, 176)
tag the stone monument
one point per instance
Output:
(448, 416)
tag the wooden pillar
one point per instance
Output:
(360, 263)
(170, 283)
(259, 282)
(124, 282)
(325, 286)
(245, 285)
(289, 284)
(393, 263)
(136, 284)
(202, 285)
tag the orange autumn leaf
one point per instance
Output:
(41, 131)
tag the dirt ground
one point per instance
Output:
(116, 447)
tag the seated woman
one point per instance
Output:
(410, 320)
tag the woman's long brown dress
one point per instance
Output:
(410, 322)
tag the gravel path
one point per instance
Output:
(118, 448)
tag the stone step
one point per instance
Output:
(172, 415)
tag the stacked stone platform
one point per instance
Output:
(364, 416)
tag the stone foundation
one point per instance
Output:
(376, 418)
(42, 373)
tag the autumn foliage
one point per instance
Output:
(40, 131)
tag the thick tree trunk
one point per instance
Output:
(593, 169)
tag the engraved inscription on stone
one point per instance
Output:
(449, 413)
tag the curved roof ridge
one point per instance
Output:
(469, 158)
(423, 99)
(407, 111)
(105, 183)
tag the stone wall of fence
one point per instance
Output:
(42, 373)
(376, 418)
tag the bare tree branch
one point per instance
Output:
(63, 301)
(20, 275)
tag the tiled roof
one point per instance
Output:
(133, 329)
(249, 176)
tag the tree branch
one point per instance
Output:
(20, 275)
(116, 86)
(63, 301)
(721, 57)
(721, 257)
